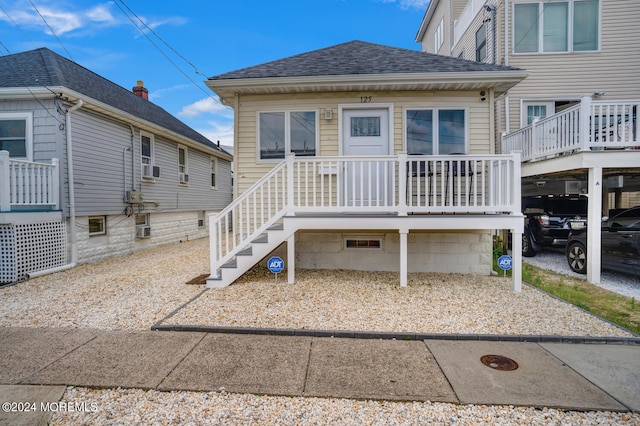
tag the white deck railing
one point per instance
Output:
(28, 184)
(397, 185)
(591, 125)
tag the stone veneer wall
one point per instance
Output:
(121, 237)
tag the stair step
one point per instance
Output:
(264, 238)
(230, 264)
(276, 227)
(248, 251)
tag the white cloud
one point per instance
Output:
(203, 106)
(218, 131)
(410, 4)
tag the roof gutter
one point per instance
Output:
(71, 96)
(342, 82)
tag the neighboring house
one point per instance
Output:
(90, 170)
(363, 156)
(582, 96)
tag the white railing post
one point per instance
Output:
(402, 183)
(536, 144)
(213, 246)
(290, 159)
(5, 198)
(55, 184)
(584, 120)
(516, 202)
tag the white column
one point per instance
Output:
(5, 198)
(404, 258)
(516, 264)
(402, 183)
(585, 114)
(594, 219)
(291, 259)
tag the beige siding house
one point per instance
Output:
(363, 156)
(575, 117)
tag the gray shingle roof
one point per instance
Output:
(43, 67)
(357, 58)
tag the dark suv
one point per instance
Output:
(620, 244)
(547, 218)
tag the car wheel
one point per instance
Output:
(577, 257)
(527, 246)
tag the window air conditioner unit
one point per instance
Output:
(184, 178)
(150, 171)
(143, 231)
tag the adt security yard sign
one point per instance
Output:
(275, 265)
(505, 262)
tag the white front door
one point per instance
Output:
(365, 133)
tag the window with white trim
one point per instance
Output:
(183, 165)
(282, 132)
(438, 36)
(436, 131)
(16, 134)
(147, 153)
(214, 171)
(97, 225)
(481, 44)
(556, 26)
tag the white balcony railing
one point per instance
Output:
(589, 126)
(28, 184)
(396, 185)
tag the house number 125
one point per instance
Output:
(365, 99)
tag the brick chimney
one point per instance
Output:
(140, 90)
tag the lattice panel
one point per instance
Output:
(40, 246)
(7, 254)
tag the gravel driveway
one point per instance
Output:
(136, 291)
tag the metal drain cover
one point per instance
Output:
(499, 362)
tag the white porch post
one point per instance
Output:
(213, 247)
(5, 199)
(290, 159)
(55, 183)
(594, 219)
(516, 265)
(402, 183)
(585, 113)
(291, 259)
(404, 258)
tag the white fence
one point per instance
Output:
(400, 185)
(28, 184)
(591, 125)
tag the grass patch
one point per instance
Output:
(621, 310)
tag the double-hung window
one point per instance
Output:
(147, 152)
(438, 36)
(556, 26)
(16, 134)
(183, 170)
(214, 171)
(481, 44)
(436, 131)
(282, 132)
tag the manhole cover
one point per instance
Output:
(498, 362)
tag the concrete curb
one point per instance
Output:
(398, 335)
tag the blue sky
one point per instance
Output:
(197, 39)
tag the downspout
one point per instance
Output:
(72, 200)
(506, 61)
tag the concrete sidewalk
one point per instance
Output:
(561, 375)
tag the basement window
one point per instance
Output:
(363, 243)
(97, 225)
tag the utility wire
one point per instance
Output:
(51, 29)
(121, 4)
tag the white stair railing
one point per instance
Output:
(248, 216)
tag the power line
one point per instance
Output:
(51, 29)
(121, 2)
